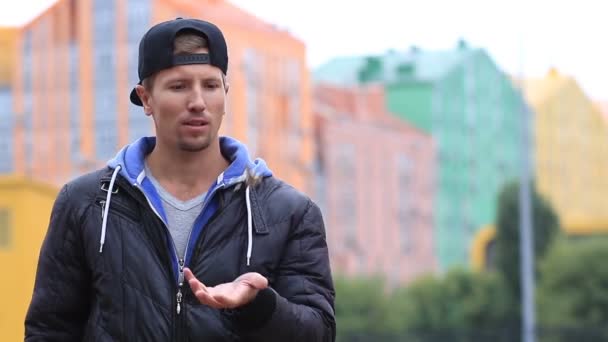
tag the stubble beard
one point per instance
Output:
(194, 146)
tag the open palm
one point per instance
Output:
(228, 295)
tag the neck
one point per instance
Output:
(186, 174)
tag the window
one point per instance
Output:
(138, 20)
(74, 102)
(253, 66)
(28, 99)
(5, 228)
(405, 216)
(347, 204)
(6, 132)
(104, 57)
(292, 74)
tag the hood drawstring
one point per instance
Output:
(249, 226)
(104, 221)
(251, 179)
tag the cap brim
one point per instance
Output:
(135, 98)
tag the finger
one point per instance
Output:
(254, 280)
(188, 274)
(201, 292)
(206, 299)
(222, 300)
(194, 283)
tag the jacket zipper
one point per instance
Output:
(180, 283)
(179, 297)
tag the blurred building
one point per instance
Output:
(571, 159)
(25, 207)
(571, 152)
(77, 63)
(603, 109)
(469, 106)
(8, 39)
(376, 185)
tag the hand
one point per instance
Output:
(228, 295)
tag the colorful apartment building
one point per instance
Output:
(469, 106)
(8, 40)
(25, 207)
(602, 106)
(77, 62)
(376, 185)
(571, 152)
(570, 157)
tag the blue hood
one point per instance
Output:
(131, 160)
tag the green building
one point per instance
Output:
(472, 110)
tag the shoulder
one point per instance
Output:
(280, 199)
(87, 184)
(79, 193)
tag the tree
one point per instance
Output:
(361, 307)
(572, 296)
(546, 226)
(461, 306)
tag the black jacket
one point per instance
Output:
(128, 292)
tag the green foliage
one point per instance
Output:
(361, 306)
(429, 309)
(573, 289)
(546, 227)
(462, 305)
(460, 300)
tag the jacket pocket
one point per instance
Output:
(116, 208)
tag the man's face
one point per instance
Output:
(187, 103)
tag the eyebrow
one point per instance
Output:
(181, 78)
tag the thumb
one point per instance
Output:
(253, 279)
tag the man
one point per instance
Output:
(182, 237)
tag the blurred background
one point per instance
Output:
(410, 123)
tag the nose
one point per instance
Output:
(196, 100)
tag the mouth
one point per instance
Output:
(196, 122)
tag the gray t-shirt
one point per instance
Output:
(180, 214)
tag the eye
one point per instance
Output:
(212, 85)
(177, 86)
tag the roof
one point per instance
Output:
(393, 66)
(539, 90)
(362, 104)
(231, 13)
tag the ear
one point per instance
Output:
(144, 95)
(226, 88)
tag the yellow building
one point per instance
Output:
(25, 207)
(570, 153)
(570, 159)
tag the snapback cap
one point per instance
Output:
(157, 45)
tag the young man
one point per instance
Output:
(182, 237)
